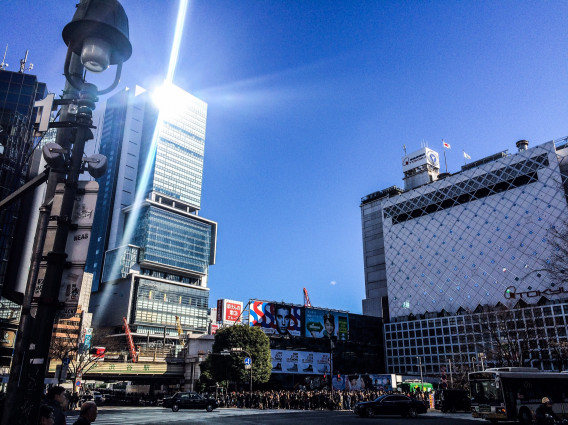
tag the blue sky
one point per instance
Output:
(310, 104)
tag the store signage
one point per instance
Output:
(511, 293)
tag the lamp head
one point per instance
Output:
(98, 33)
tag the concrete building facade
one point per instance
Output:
(444, 257)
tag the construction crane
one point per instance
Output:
(180, 331)
(131, 347)
(306, 299)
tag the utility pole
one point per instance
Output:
(98, 35)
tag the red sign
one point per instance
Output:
(232, 311)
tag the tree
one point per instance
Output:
(65, 345)
(219, 367)
(557, 265)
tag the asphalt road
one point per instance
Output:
(159, 416)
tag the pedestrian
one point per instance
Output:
(544, 413)
(56, 399)
(87, 414)
(46, 415)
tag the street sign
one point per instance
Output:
(66, 361)
(248, 361)
(248, 366)
(78, 383)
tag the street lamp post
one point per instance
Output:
(98, 34)
(239, 350)
(482, 358)
(421, 377)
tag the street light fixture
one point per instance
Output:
(421, 377)
(482, 358)
(98, 33)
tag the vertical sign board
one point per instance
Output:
(219, 311)
(77, 244)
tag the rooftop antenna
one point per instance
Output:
(23, 64)
(4, 65)
(404, 149)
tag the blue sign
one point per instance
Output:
(66, 361)
(248, 361)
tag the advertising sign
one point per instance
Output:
(232, 310)
(420, 157)
(323, 324)
(381, 382)
(302, 362)
(219, 311)
(277, 319)
(228, 311)
(338, 382)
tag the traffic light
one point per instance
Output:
(339, 377)
(324, 377)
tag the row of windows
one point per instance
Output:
(526, 313)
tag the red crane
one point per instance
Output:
(133, 353)
(306, 299)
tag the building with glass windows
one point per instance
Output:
(18, 93)
(150, 250)
(457, 263)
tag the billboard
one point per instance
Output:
(383, 382)
(228, 311)
(302, 362)
(323, 324)
(276, 319)
(419, 158)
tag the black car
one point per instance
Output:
(452, 400)
(391, 404)
(188, 400)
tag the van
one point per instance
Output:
(97, 397)
(452, 400)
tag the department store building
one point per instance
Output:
(456, 264)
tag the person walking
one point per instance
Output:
(57, 400)
(544, 413)
(87, 414)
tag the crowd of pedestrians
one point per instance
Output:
(300, 400)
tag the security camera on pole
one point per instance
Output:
(98, 35)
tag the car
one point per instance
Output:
(97, 397)
(452, 400)
(189, 400)
(391, 404)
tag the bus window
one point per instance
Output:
(484, 392)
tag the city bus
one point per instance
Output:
(514, 393)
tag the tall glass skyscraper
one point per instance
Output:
(150, 250)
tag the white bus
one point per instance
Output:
(514, 393)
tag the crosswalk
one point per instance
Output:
(159, 415)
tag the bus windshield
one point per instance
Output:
(485, 391)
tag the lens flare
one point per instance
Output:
(146, 172)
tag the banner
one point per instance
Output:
(323, 323)
(277, 319)
(302, 362)
(382, 382)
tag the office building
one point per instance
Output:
(18, 93)
(451, 255)
(150, 250)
